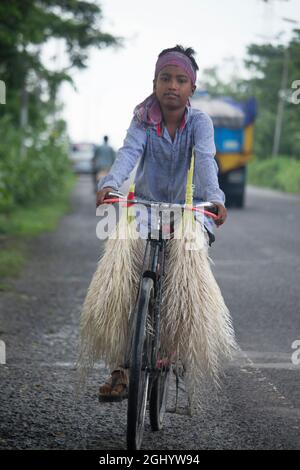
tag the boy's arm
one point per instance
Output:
(127, 156)
(206, 168)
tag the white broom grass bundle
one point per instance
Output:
(196, 324)
(109, 301)
(196, 327)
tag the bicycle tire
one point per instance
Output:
(158, 398)
(138, 373)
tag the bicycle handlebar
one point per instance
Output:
(207, 208)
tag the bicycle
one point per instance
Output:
(149, 373)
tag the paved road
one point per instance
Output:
(257, 266)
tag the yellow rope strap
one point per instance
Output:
(189, 182)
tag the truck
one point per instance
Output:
(234, 133)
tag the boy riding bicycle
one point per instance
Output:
(163, 133)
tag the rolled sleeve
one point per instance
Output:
(127, 157)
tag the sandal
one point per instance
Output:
(115, 388)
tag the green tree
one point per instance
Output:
(264, 64)
(33, 147)
(27, 25)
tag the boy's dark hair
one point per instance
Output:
(189, 52)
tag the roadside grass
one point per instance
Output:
(281, 173)
(25, 222)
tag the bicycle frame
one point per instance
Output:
(154, 268)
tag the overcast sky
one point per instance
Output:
(116, 80)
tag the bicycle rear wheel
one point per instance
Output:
(139, 372)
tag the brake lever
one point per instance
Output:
(114, 194)
(209, 207)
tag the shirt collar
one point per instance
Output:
(185, 117)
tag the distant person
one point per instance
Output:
(104, 157)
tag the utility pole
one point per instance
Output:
(24, 105)
(281, 103)
(281, 97)
(23, 115)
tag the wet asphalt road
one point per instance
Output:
(257, 265)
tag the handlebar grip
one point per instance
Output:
(212, 209)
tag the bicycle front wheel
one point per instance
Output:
(139, 373)
(158, 397)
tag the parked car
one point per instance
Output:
(81, 155)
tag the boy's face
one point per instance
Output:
(173, 87)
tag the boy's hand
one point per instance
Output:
(101, 195)
(222, 214)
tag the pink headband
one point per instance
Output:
(179, 59)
